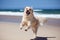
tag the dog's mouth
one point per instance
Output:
(27, 12)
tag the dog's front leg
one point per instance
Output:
(28, 27)
(21, 25)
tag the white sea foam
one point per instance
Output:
(36, 14)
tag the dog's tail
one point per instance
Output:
(42, 20)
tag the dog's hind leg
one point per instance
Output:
(34, 32)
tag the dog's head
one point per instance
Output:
(28, 11)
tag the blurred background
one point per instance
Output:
(48, 6)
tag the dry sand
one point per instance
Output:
(9, 29)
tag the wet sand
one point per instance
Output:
(9, 29)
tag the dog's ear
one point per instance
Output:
(24, 9)
(32, 9)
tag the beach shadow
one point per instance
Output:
(42, 38)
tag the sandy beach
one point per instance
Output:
(9, 29)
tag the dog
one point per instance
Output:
(30, 21)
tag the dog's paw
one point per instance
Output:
(20, 28)
(25, 29)
(31, 39)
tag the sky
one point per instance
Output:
(41, 4)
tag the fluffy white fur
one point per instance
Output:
(30, 21)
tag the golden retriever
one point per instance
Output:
(30, 21)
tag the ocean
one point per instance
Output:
(50, 13)
(43, 11)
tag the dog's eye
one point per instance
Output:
(29, 9)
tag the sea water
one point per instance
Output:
(49, 13)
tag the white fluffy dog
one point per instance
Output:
(30, 21)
